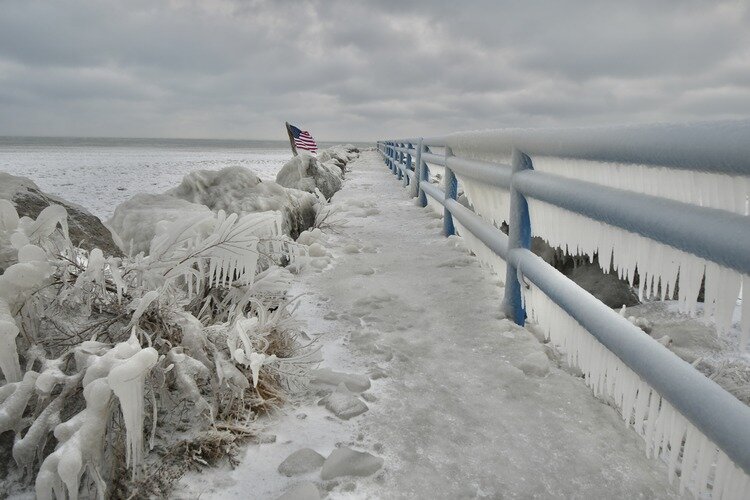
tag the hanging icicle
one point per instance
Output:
(703, 468)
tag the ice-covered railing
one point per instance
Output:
(667, 201)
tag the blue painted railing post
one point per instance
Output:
(390, 157)
(451, 192)
(417, 169)
(424, 176)
(408, 164)
(399, 174)
(519, 236)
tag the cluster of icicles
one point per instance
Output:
(490, 202)
(703, 468)
(659, 266)
(485, 255)
(705, 189)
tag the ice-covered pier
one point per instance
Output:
(667, 202)
(464, 401)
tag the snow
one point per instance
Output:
(449, 410)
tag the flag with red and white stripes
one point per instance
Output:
(303, 139)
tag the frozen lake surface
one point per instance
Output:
(99, 174)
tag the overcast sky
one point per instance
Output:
(364, 70)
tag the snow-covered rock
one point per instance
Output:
(86, 230)
(344, 404)
(301, 461)
(352, 381)
(347, 462)
(338, 155)
(302, 491)
(239, 190)
(306, 173)
(135, 220)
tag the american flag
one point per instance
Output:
(303, 139)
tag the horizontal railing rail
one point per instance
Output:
(503, 160)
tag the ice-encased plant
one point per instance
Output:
(95, 352)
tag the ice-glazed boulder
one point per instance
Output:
(239, 190)
(86, 230)
(136, 220)
(306, 173)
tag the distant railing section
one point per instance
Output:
(677, 197)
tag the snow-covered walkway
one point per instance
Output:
(452, 409)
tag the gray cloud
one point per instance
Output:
(361, 70)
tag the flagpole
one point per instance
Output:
(291, 139)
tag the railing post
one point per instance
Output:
(424, 175)
(417, 169)
(519, 236)
(451, 191)
(408, 164)
(390, 156)
(399, 158)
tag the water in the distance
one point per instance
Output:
(101, 173)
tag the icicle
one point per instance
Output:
(13, 405)
(490, 202)
(79, 445)
(686, 186)
(486, 257)
(9, 363)
(657, 264)
(127, 382)
(701, 466)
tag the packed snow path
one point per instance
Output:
(460, 405)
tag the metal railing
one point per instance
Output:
(717, 235)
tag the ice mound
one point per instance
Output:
(306, 173)
(239, 190)
(234, 190)
(135, 220)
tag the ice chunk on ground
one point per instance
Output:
(303, 491)
(306, 173)
(301, 461)
(535, 364)
(344, 404)
(347, 462)
(352, 381)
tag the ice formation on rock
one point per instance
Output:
(659, 265)
(703, 467)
